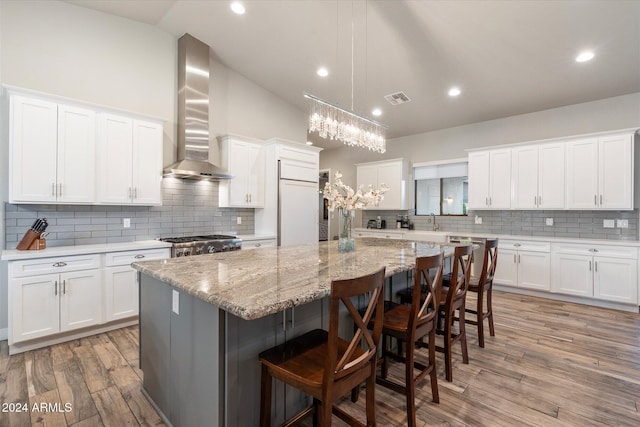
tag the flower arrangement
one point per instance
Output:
(344, 198)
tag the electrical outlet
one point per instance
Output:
(126, 222)
(239, 220)
(608, 223)
(623, 223)
(549, 221)
(478, 219)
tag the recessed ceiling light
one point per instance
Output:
(238, 7)
(376, 112)
(322, 72)
(309, 143)
(454, 91)
(585, 56)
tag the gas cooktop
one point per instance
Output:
(197, 245)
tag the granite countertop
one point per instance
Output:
(419, 234)
(56, 251)
(254, 284)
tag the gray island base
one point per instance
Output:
(205, 319)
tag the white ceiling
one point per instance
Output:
(508, 57)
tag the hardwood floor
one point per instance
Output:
(550, 364)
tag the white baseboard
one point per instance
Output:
(4, 334)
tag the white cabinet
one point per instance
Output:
(537, 176)
(52, 152)
(394, 174)
(490, 179)
(45, 303)
(121, 281)
(523, 264)
(245, 161)
(258, 242)
(600, 173)
(603, 272)
(130, 161)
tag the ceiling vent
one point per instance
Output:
(397, 98)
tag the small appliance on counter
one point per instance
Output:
(405, 222)
(33, 239)
(372, 223)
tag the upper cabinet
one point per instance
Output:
(537, 176)
(67, 152)
(130, 161)
(52, 152)
(600, 173)
(592, 172)
(489, 179)
(244, 159)
(392, 173)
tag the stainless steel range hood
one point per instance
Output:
(193, 114)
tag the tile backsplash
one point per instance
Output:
(188, 208)
(572, 224)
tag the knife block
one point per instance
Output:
(31, 240)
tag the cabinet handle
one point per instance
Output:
(129, 192)
(596, 264)
(601, 200)
(595, 200)
(514, 258)
(535, 200)
(250, 198)
(293, 317)
(593, 250)
(517, 245)
(284, 320)
(490, 201)
(53, 189)
(589, 265)
(539, 200)
(139, 256)
(60, 191)
(64, 286)
(257, 245)
(55, 288)
(135, 192)
(486, 201)
(60, 264)
(518, 258)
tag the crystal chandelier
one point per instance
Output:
(336, 123)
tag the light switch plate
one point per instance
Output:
(608, 223)
(175, 301)
(623, 223)
(126, 222)
(239, 220)
(478, 219)
(549, 221)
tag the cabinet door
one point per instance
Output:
(80, 299)
(33, 140)
(573, 274)
(524, 177)
(76, 154)
(115, 161)
(147, 163)
(615, 172)
(582, 174)
(534, 270)
(500, 179)
(479, 180)
(255, 175)
(367, 175)
(551, 176)
(507, 268)
(121, 292)
(392, 175)
(615, 279)
(34, 307)
(238, 167)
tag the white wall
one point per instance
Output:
(4, 166)
(607, 114)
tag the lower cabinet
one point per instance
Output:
(604, 272)
(523, 264)
(51, 303)
(257, 243)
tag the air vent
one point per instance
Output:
(397, 98)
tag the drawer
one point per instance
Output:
(524, 245)
(298, 154)
(34, 267)
(597, 250)
(299, 170)
(379, 234)
(256, 244)
(128, 257)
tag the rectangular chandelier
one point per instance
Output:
(336, 123)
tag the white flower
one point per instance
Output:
(341, 196)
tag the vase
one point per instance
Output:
(346, 243)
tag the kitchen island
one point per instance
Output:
(205, 319)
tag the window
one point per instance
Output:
(441, 188)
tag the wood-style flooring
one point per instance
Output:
(550, 364)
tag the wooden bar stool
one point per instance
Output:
(410, 324)
(451, 301)
(484, 286)
(325, 366)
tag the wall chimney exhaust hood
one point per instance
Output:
(193, 114)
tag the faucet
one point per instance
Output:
(435, 226)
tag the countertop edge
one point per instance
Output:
(56, 251)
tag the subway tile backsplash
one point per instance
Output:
(571, 224)
(188, 208)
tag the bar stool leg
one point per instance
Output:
(432, 361)
(265, 399)
(410, 387)
(463, 338)
(480, 318)
(490, 309)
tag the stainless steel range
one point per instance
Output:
(197, 245)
